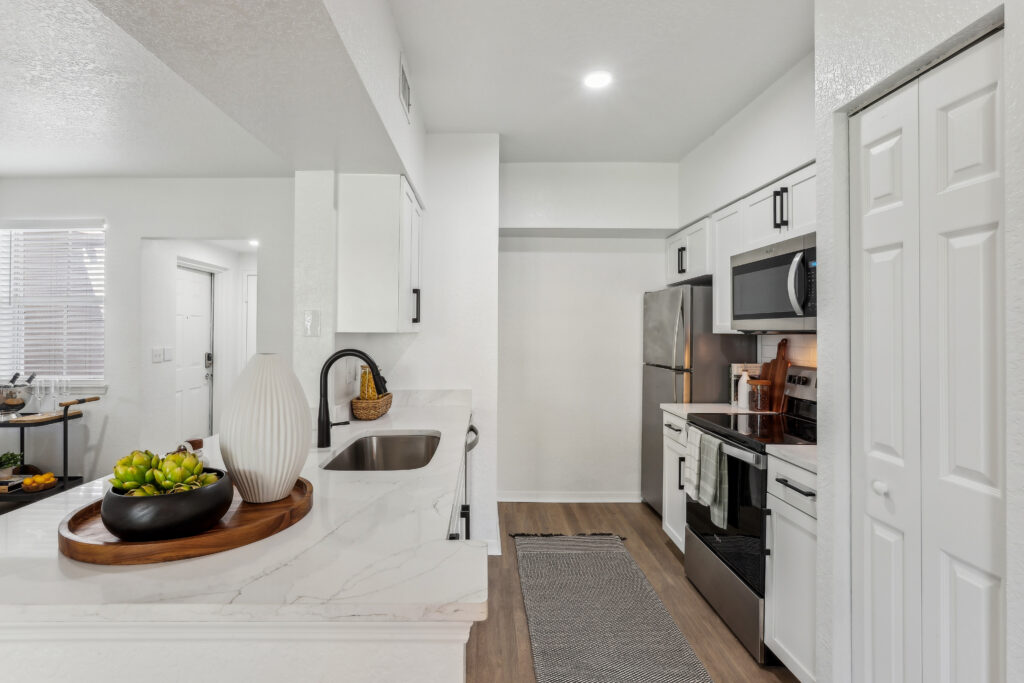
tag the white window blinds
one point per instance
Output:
(51, 302)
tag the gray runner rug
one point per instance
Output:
(594, 617)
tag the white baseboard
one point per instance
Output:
(569, 496)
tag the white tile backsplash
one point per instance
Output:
(801, 350)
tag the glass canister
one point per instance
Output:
(759, 394)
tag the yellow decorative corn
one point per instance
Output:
(367, 389)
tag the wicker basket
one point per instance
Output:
(371, 409)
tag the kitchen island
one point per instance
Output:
(365, 588)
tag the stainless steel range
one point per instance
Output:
(727, 563)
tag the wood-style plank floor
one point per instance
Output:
(499, 648)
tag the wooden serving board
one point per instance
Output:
(778, 370)
(44, 417)
(83, 537)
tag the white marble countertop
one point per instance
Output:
(684, 409)
(373, 548)
(801, 456)
(804, 457)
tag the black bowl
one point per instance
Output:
(154, 518)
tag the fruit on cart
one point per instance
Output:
(142, 473)
(38, 482)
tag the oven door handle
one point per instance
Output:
(758, 461)
(796, 272)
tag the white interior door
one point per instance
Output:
(885, 434)
(963, 474)
(194, 341)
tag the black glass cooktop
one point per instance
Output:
(757, 430)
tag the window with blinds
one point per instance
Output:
(51, 301)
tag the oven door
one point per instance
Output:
(741, 543)
(773, 289)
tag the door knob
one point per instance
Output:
(880, 487)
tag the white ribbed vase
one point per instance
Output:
(266, 429)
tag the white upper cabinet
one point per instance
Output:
(378, 254)
(688, 253)
(780, 211)
(800, 203)
(727, 240)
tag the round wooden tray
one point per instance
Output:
(83, 537)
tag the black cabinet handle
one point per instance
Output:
(673, 427)
(783, 217)
(776, 221)
(802, 492)
(464, 513)
(681, 461)
(416, 291)
(680, 255)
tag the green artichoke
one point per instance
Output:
(143, 473)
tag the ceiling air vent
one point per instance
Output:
(404, 89)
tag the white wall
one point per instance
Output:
(571, 334)
(222, 208)
(316, 264)
(457, 345)
(802, 349)
(767, 139)
(367, 29)
(589, 198)
(159, 259)
(864, 48)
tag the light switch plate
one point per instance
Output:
(311, 323)
(168, 353)
(158, 354)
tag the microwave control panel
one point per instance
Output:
(811, 309)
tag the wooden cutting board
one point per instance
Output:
(777, 372)
(83, 537)
(44, 417)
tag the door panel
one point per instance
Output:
(728, 238)
(789, 622)
(963, 474)
(758, 220)
(801, 202)
(886, 451)
(195, 340)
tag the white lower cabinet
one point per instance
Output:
(790, 626)
(673, 512)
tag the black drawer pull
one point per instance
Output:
(673, 428)
(416, 318)
(464, 513)
(681, 461)
(802, 492)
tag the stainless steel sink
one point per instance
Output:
(387, 452)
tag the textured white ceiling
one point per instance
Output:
(278, 67)
(80, 97)
(682, 68)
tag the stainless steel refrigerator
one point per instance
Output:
(684, 362)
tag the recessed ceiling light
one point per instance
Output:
(597, 80)
(254, 243)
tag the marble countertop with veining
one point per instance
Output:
(374, 547)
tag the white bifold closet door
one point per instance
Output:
(927, 410)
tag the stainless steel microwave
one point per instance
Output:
(774, 288)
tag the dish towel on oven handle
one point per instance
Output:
(713, 483)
